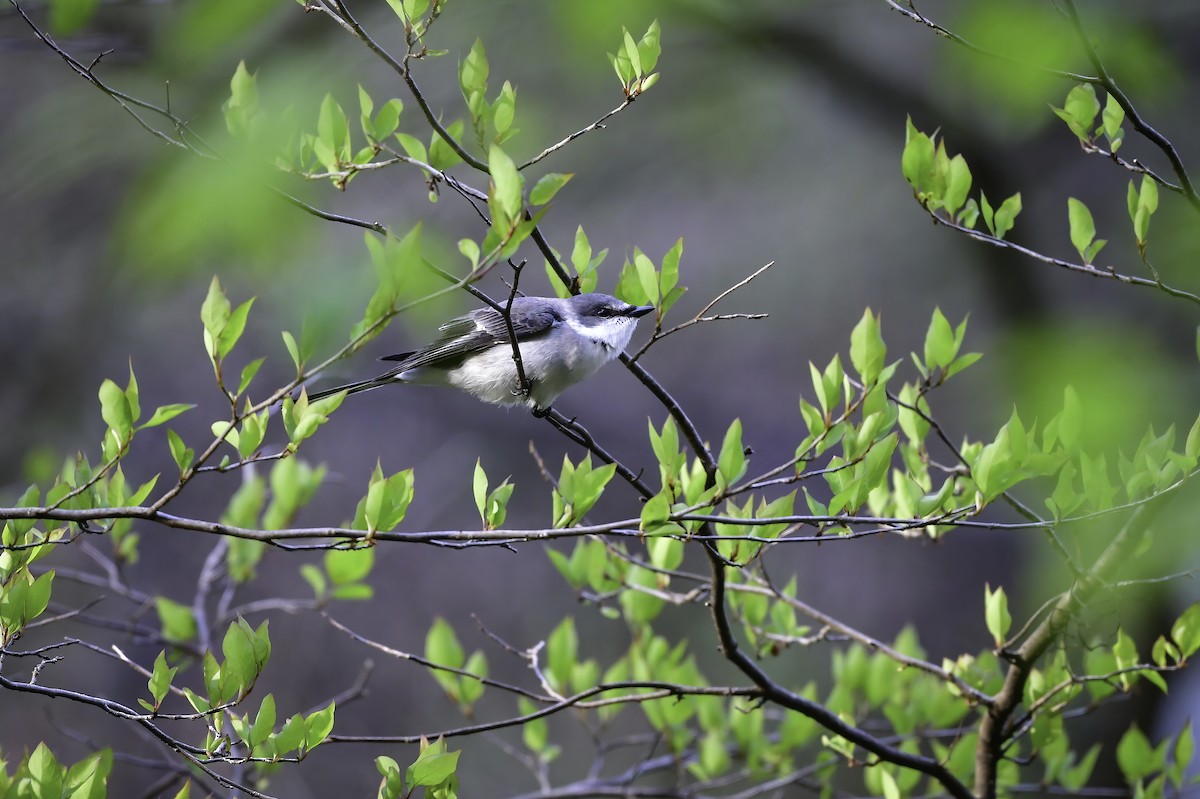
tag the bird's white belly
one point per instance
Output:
(550, 368)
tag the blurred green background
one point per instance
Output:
(774, 134)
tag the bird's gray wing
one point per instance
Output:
(475, 332)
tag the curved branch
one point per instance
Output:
(1139, 124)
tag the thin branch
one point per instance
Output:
(657, 690)
(1086, 269)
(597, 125)
(700, 316)
(909, 10)
(1139, 124)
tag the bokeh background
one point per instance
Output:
(774, 134)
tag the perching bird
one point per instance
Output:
(561, 341)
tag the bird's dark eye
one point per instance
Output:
(603, 312)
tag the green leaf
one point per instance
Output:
(387, 120)
(45, 773)
(473, 72)
(479, 487)
(669, 276)
(996, 614)
(333, 133)
(647, 275)
(182, 453)
(386, 502)
(291, 736)
(1077, 776)
(165, 413)
(413, 147)
(432, 768)
(917, 161)
(1083, 229)
(160, 679)
(547, 186)
(958, 185)
(264, 722)
(178, 623)
(242, 105)
(731, 463)
(243, 656)
(1111, 121)
(115, 409)
(503, 111)
(254, 429)
(442, 647)
(1144, 207)
(1079, 111)
(1136, 758)
(940, 345)
(649, 48)
(248, 373)
(289, 341)
(1185, 748)
(346, 566)
(1006, 214)
(317, 726)
(867, 350)
(561, 650)
(1185, 632)
(507, 185)
(631, 52)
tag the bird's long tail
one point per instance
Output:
(354, 388)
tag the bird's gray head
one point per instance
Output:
(605, 318)
(595, 309)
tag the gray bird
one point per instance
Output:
(561, 341)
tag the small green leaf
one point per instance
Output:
(432, 769)
(1144, 208)
(867, 350)
(178, 623)
(731, 463)
(940, 347)
(242, 105)
(115, 409)
(442, 647)
(1006, 214)
(561, 651)
(547, 186)
(473, 73)
(346, 566)
(1136, 757)
(1079, 111)
(248, 373)
(165, 413)
(507, 184)
(160, 679)
(1083, 229)
(479, 488)
(413, 147)
(1185, 632)
(958, 185)
(182, 453)
(996, 614)
(1111, 121)
(317, 726)
(264, 722)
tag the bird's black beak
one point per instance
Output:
(639, 311)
